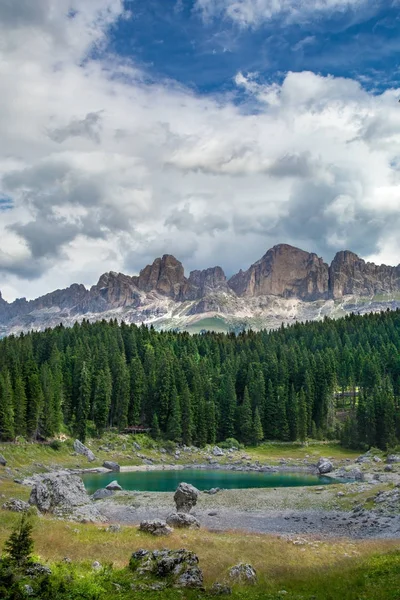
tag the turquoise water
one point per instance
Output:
(168, 481)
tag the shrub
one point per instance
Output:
(55, 445)
(230, 443)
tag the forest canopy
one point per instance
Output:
(328, 379)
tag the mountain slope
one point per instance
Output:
(285, 285)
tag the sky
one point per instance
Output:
(207, 129)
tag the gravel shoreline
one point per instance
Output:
(294, 511)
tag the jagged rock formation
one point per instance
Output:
(284, 271)
(350, 274)
(285, 285)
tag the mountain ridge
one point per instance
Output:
(161, 290)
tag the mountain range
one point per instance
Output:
(285, 285)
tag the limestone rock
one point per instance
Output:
(82, 449)
(165, 275)
(178, 568)
(185, 497)
(217, 451)
(16, 505)
(102, 493)
(284, 271)
(114, 486)
(155, 527)
(393, 458)
(243, 573)
(350, 274)
(3, 461)
(324, 466)
(64, 495)
(220, 589)
(112, 466)
(182, 520)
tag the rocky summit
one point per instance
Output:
(286, 285)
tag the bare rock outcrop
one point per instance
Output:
(284, 271)
(351, 275)
(185, 497)
(165, 276)
(84, 450)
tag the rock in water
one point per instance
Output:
(179, 567)
(182, 520)
(112, 466)
(114, 486)
(243, 573)
(185, 497)
(82, 449)
(155, 527)
(3, 461)
(64, 495)
(324, 466)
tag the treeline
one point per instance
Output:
(280, 385)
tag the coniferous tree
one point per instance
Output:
(83, 403)
(302, 421)
(246, 419)
(19, 545)
(6, 408)
(257, 433)
(102, 399)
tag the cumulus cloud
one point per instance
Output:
(101, 169)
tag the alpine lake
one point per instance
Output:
(202, 479)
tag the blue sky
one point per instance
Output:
(207, 129)
(169, 39)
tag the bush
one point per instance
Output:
(55, 445)
(230, 443)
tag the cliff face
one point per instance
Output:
(271, 288)
(350, 274)
(284, 271)
(165, 275)
(204, 283)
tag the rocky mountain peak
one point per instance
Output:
(208, 281)
(165, 275)
(351, 275)
(284, 271)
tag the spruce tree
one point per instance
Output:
(246, 420)
(19, 545)
(257, 430)
(174, 425)
(6, 408)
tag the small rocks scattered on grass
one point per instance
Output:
(3, 461)
(16, 505)
(84, 450)
(216, 451)
(176, 568)
(243, 573)
(115, 528)
(182, 520)
(220, 589)
(156, 527)
(212, 491)
(37, 570)
(114, 486)
(111, 465)
(185, 497)
(96, 566)
(393, 458)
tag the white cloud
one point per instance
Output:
(107, 171)
(252, 13)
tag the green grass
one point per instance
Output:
(274, 451)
